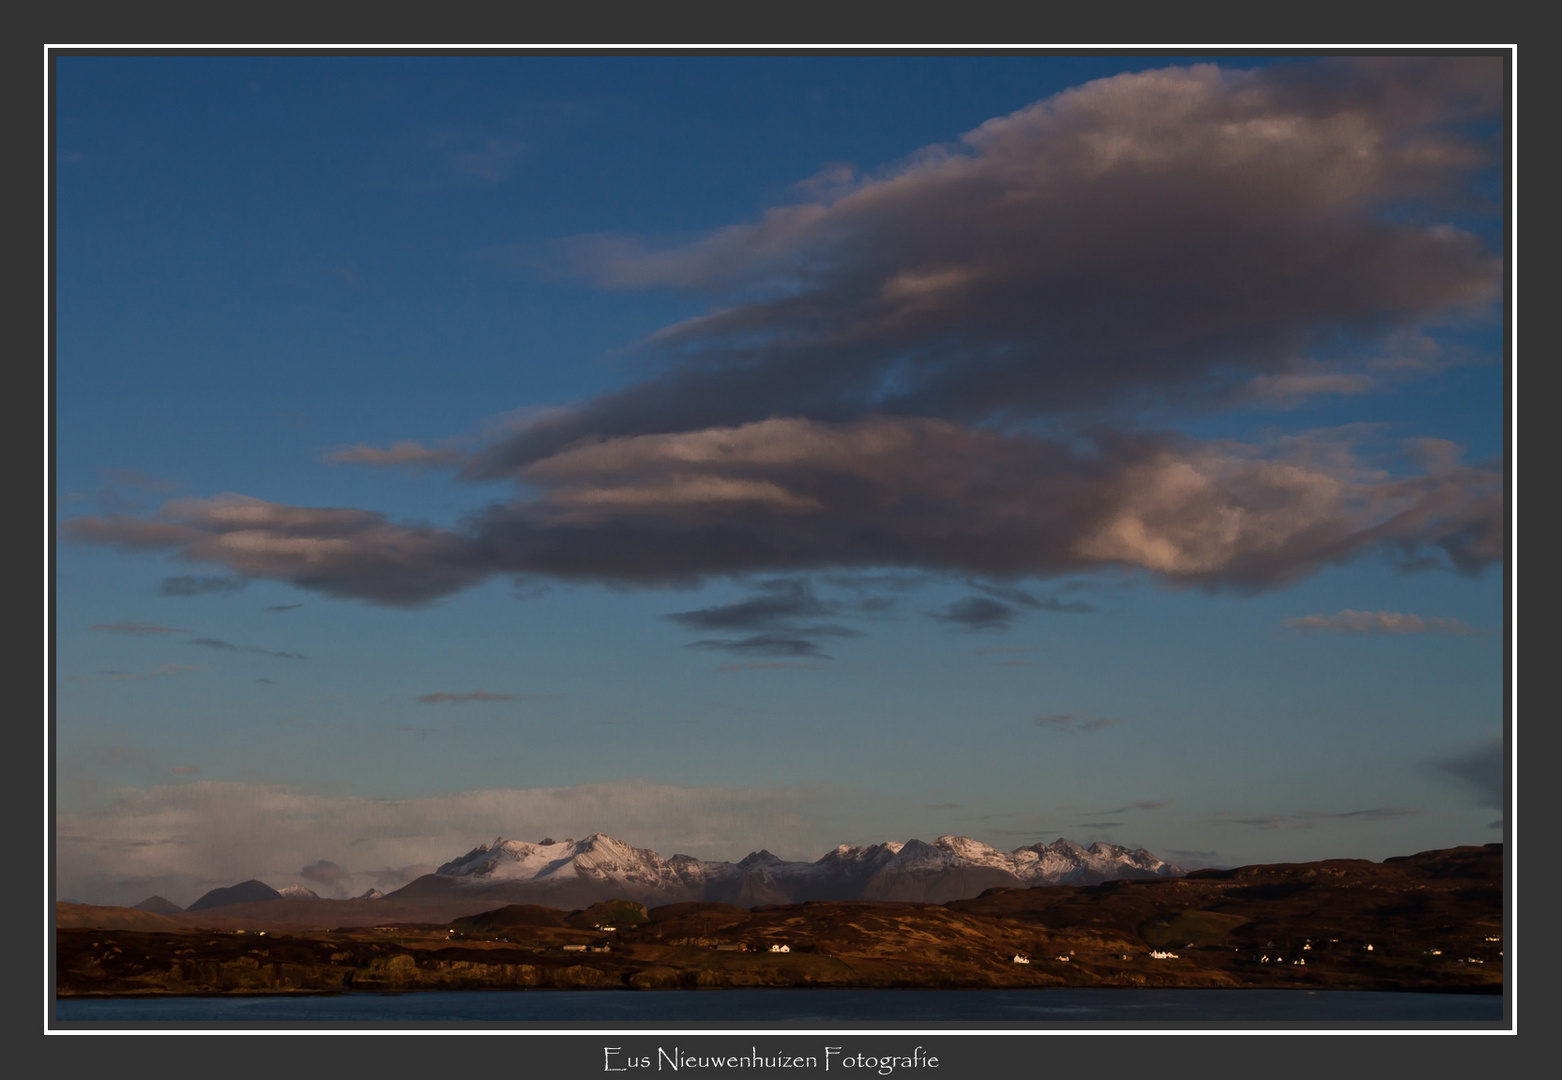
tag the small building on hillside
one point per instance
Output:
(1021, 958)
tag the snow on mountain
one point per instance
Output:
(298, 892)
(947, 868)
(1064, 862)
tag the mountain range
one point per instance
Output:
(574, 874)
(1429, 921)
(577, 873)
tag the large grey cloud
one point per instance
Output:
(797, 495)
(1181, 233)
(927, 494)
(940, 368)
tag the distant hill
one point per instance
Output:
(158, 905)
(82, 916)
(245, 892)
(1426, 922)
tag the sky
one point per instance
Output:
(737, 452)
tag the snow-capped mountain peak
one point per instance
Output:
(950, 866)
(298, 892)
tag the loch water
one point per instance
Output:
(800, 1010)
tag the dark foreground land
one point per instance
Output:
(1427, 922)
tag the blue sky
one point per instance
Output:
(725, 452)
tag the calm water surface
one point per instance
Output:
(804, 1009)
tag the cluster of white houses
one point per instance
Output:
(1068, 957)
(1271, 954)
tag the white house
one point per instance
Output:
(780, 948)
(1021, 958)
(1160, 955)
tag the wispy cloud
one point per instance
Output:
(1307, 819)
(1145, 805)
(279, 654)
(1002, 604)
(977, 613)
(770, 665)
(1294, 388)
(158, 672)
(1013, 594)
(201, 585)
(1072, 723)
(218, 643)
(781, 619)
(1379, 622)
(447, 698)
(404, 454)
(136, 628)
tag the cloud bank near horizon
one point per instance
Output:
(181, 840)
